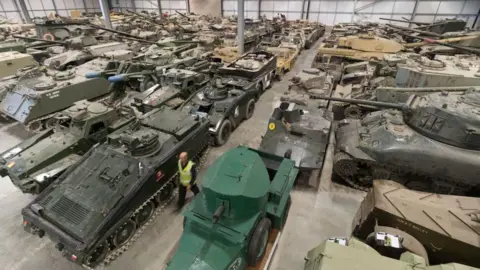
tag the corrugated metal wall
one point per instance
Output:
(167, 6)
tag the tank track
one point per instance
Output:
(386, 171)
(115, 253)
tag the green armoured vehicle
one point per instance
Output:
(245, 196)
(343, 254)
(33, 164)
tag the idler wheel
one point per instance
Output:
(223, 133)
(353, 112)
(258, 243)
(97, 256)
(250, 109)
(165, 194)
(145, 214)
(124, 233)
(34, 127)
(344, 165)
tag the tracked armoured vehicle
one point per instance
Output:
(307, 85)
(35, 163)
(230, 97)
(312, 34)
(245, 197)
(40, 92)
(438, 130)
(439, 228)
(174, 88)
(343, 253)
(96, 206)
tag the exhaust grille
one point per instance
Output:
(72, 211)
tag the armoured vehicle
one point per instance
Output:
(33, 164)
(294, 40)
(419, 71)
(245, 196)
(299, 133)
(343, 253)
(230, 97)
(10, 62)
(285, 59)
(312, 34)
(437, 129)
(100, 202)
(224, 54)
(175, 86)
(307, 85)
(438, 228)
(40, 92)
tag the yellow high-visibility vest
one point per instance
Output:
(185, 173)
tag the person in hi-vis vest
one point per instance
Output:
(187, 175)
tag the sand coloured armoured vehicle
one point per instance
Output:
(344, 253)
(118, 187)
(438, 129)
(286, 58)
(245, 196)
(230, 97)
(35, 163)
(439, 228)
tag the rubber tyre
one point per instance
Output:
(250, 109)
(223, 133)
(258, 243)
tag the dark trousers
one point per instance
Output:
(182, 193)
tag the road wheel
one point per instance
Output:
(223, 133)
(145, 213)
(97, 256)
(124, 233)
(34, 127)
(165, 194)
(250, 109)
(146, 83)
(258, 242)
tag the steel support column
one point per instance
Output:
(24, 9)
(221, 8)
(106, 13)
(54, 7)
(260, 8)
(159, 7)
(414, 12)
(84, 5)
(308, 10)
(240, 26)
(188, 6)
(134, 7)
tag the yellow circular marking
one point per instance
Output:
(271, 126)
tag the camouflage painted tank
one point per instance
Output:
(244, 194)
(40, 92)
(35, 163)
(439, 228)
(224, 54)
(168, 56)
(175, 87)
(439, 130)
(343, 253)
(299, 133)
(119, 185)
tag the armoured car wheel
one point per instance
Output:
(124, 233)
(344, 165)
(223, 133)
(97, 255)
(353, 112)
(145, 214)
(250, 109)
(258, 243)
(165, 194)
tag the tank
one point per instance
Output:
(343, 253)
(307, 85)
(40, 92)
(419, 71)
(230, 97)
(248, 203)
(36, 162)
(437, 129)
(224, 54)
(174, 87)
(312, 34)
(120, 186)
(439, 228)
(299, 133)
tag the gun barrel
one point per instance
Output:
(404, 21)
(365, 102)
(462, 48)
(113, 31)
(414, 30)
(430, 89)
(39, 39)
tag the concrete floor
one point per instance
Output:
(313, 217)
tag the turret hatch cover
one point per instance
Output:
(97, 108)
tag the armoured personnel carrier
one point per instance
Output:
(230, 97)
(40, 92)
(174, 88)
(33, 164)
(419, 71)
(299, 133)
(343, 253)
(294, 40)
(286, 57)
(245, 193)
(119, 185)
(437, 129)
(438, 228)
(11, 62)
